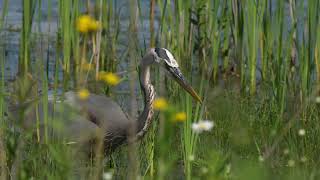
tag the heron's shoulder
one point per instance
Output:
(72, 98)
(101, 99)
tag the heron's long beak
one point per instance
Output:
(177, 75)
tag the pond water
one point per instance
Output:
(44, 32)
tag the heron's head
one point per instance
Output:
(166, 60)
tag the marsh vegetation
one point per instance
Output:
(255, 64)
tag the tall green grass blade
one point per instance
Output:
(317, 53)
(66, 32)
(3, 158)
(27, 18)
(3, 153)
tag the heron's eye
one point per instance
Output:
(166, 56)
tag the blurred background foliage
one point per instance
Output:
(255, 63)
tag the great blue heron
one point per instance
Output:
(101, 113)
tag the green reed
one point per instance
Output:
(214, 36)
(238, 36)
(28, 11)
(3, 163)
(277, 60)
(171, 35)
(133, 164)
(2, 147)
(66, 33)
(317, 53)
(308, 47)
(3, 13)
(111, 29)
(3, 154)
(254, 16)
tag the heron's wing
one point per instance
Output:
(103, 111)
(106, 114)
(63, 122)
(72, 126)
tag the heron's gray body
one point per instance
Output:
(84, 120)
(103, 112)
(78, 121)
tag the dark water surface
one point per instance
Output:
(44, 33)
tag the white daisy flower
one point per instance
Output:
(302, 132)
(291, 163)
(107, 176)
(204, 170)
(202, 125)
(303, 159)
(286, 151)
(191, 158)
(261, 159)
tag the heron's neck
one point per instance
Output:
(145, 119)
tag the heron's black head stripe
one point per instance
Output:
(162, 53)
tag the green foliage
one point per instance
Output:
(255, 63)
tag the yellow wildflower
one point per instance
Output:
(160, 104)
(86, 23)
(180, 117)
(109, 77)
(83, 94)
(83, 23)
